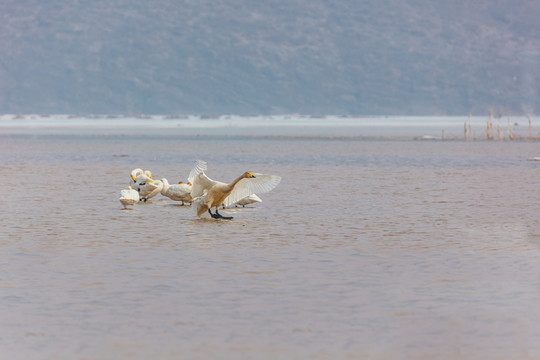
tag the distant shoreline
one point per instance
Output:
(281, 126)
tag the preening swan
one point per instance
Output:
(213, 193)
(129, 196)
(135, 173)
(133, 181)
(148, 188)
(177, 192)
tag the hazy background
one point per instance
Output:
(269, 57)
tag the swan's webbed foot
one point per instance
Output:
(223, 217)
(217, 215)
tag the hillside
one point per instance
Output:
(271, 57)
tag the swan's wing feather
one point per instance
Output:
(201, 184)
(261, 183)
(179, 189)
(129, 195)
(147, 187)
(199, 167)
(150, 186)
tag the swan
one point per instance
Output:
(148, 188)
(253, 198)
(135, 173)
(177, 192)
(129, 196)
(213, 194)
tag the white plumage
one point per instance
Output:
(128, 197)
(177, 192)
(148, 188)
(251, 199)
(135, 173)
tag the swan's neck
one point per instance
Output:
(166, 186)
(233, 184)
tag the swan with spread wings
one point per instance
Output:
(212, 194)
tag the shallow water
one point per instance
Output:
(367, 249)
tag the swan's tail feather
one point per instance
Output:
(200, 207)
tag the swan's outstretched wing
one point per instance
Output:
(201, 184)
(261, 183)
(199, 167)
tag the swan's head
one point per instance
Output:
(180, 182)
(249, 175)
(148, 173)
(135, 173)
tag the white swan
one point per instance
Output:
(213, 194)
(135, 173)
(177, 192)
(128, 197)
(251, 199)
(148, 188)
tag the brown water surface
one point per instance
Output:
(367, 249)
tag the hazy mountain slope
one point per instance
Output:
(251, 57)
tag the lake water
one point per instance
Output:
(370, 248)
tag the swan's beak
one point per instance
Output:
(133, 177)
(251, 175)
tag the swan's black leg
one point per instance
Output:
(217, 215)
(223, 217)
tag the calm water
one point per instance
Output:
(367, 249)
